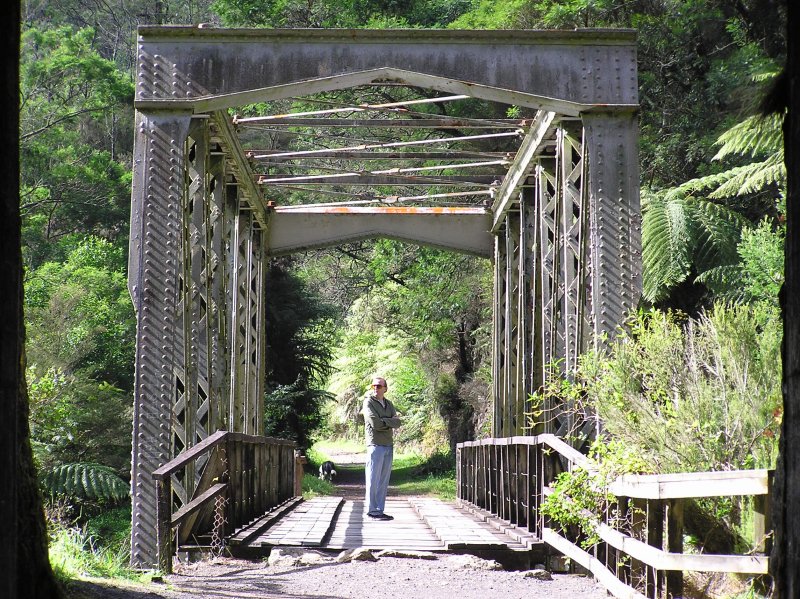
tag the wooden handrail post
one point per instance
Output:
(762, 519)
(164, 523)
(655, 538)
(674, 517)
(299, 461)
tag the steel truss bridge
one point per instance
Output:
(551, 197)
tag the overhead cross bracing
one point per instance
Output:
(313, 148)
(548, 189)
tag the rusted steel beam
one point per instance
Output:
(383, 210)
(458, 229)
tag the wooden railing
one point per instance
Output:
(639, 555)
(243, 477)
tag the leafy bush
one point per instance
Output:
(685, 396)
(699, 395)
(294, 412)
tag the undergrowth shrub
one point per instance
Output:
(692, 396)
(95, 547)
(685, 396)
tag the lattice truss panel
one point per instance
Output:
(203, 251)
(552, 294)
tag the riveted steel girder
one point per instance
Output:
(196, 278)
(578, 262)
(210, 69)
(463, 230)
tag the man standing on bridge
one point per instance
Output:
(380, 417)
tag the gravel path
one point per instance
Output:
(389, 577)
(319, 575)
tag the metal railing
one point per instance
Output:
(243, 477)
(641, 553)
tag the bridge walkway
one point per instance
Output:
(420, 524)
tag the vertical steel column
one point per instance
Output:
(511, 372)
(258, 317)
(573, 236)
(528, 297)
(548, 210)
(154, 272)
(615, 217)
(247, 376)
(524, 316)
(498, 335)
(218, 284)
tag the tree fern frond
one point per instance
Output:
(709, 182)
(666, 239)
(85, 480)
(725, 281)
(753, 177)
(718, 230)
(756, 135)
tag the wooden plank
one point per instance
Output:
(197, 503)
(663, 560)
(248, 533)
(308, 524)
(187, 456)
(692, 484)
(212, 473)
(599, 571)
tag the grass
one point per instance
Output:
(100, 548)
(327, 449)
(416, 474)
(314, 487)
(413, 473)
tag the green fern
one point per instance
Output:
(680, 233)
(85, 480)
(665, 238)
(753, 177)
(725, 281)
(689, 227)
(755, 136)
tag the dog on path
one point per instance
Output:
(327, 471)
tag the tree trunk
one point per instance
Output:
(23, 552)
(785, 559)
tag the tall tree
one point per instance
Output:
(24, 554)
(785, 559)
(10, 299)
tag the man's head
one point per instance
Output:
(379, 386)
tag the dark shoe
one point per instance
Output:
(380, 516)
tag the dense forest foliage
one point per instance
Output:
(713, 187)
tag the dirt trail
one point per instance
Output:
(349, 479)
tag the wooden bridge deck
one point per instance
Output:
(420, 524)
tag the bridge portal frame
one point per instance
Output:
(565, 224)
